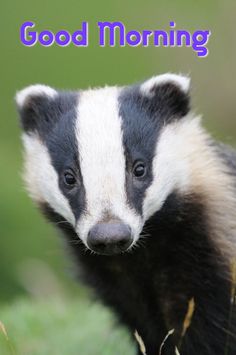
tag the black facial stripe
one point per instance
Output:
(139, 140)
(143, 118)
(62, 145)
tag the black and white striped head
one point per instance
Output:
(105, 160)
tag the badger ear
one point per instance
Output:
(167, 95)
(36, 106)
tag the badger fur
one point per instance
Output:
(147, 202)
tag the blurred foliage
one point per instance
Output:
(24, 235)
(51, 328)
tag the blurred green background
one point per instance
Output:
(32, 263)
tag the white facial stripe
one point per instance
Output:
(181, 81)
(172, 165)
(34, 90)
(42, 179)
(102, 160)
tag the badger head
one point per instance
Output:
(105, 160)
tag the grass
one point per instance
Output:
(56, 327)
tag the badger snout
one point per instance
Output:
(109, 238)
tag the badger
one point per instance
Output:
(146, 200)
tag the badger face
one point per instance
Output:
(105, 159)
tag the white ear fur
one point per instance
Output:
(183, 82)
(34, 90)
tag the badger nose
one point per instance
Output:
(109, 238)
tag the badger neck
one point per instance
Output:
(210, 179)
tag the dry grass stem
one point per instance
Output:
(177, 351)
(233, 289)
(170, 332)
(3, 330)
(188, 317)
(140, 342)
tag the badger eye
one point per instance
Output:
(139, 169)
(69, 179)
